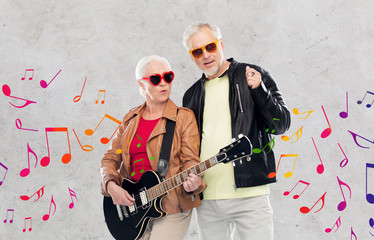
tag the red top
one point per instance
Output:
(138, 153)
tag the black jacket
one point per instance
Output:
(255, 113)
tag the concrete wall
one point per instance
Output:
(318, 52)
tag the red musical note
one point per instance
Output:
(19, 126)
(66, 157)
(271, 145)
(26, 171)
(337, 223)
(28, 70)
(298, 134)
(6, 219)
(72, 194)
(367, 105)
(86, 148)
(344, 162)
(276, 125)
(6, 170)
(355, 135)
(40, 193)
(296, 112)
(104, 140)
(369, 196)
(44, 84)
(306, 209)
(78, 97)
(320, 167)
(6, 91)
(344, 114)
(28, 218)
(287, 174)
(353, 234)
(342, 205)
(286, 193)
(98, 97)
(46, 216)
(328, 130)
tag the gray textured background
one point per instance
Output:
(316, 50)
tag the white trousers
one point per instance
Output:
(249, 218)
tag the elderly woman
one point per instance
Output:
(140, 138)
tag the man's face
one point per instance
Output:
(209, 63)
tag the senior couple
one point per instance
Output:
(230, 98)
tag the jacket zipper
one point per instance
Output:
(240, 100)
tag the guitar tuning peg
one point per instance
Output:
(240, 135)
(233, 140)
(248, 158)
(241, 161)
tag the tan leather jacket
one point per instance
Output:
(184, 153)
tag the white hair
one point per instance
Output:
(194, 28)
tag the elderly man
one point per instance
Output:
(232, 98)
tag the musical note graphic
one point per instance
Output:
(296, 196)
(6, 170)
(72, 194)
(369, 104)
(25, 172)
(296, 112)
(287, 174)
(78, 97)
(19, 126)
(28, 218)
(306, 209)
(342, 205)
(344, 114)
(153, 158)
(46, 216)
(271, 145)
(355, 135)
(104, 140)
(328, 130)
(344, 162)
(119, 151)
(353, 234)
(371, 223)
(320, 167)
(86, 148)
(28, 70)
(6, 91)
(141, 171)
(298, 134)
(98, 97)
(276, 125)
(337, 224)
(66, 157)
(40, 194)
(44, 84)
(140, 139)
(6, 219)
(369, 196)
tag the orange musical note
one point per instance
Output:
(344, 114)
(369, 196)
(344, 162)
(287, 174)
(342, 205)
(86, 148)
(66, 157)
(141, 170)
(6, 219)
(46, 216)
(28, 70)
(40, 193)
(104, 140)
(98, 97)
(119, 151)
(26, 171)
(28, 218)
(328, 130)
(337, 223)
(271, 145)
(72, 194)
(367, 105)
(286, 193)
(6, 170)
(306, 209)
(355, 135)
(296, 112)
(44, 84)
(19, 126)
(6, 91)
(353, 234)
(320, 167)
(298, 134)
(276, 125)
(78, 97)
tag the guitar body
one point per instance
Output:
(135, 223)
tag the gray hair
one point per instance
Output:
(194, 28)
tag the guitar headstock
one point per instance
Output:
(238, 149)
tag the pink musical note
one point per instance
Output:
(355, 135)
(306, 209)
(78, 97)
(19, 126)
(328, 130)
(276, 125)
(25, 172)
(28, 70)
(40, 194)
(367, 105)
(6, 170)
(344, 114)
(320, 167)
(104, 140)
(6, 91)
(46, 216)
(98, 97)
(337, 224)
(271, 145)
(296, 112)
(44, 84)
(66, 157)
(6, 219)
(286, 193)
(369, 196)
(342, 205)
(353, 234)
(86, 148)
(28, 218)
(72, 194)
(287, 174)
(344, 162)
(298, 134)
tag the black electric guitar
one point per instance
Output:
(129, 223)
